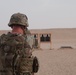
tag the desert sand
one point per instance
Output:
(56, 62)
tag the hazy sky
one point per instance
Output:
(41, 13)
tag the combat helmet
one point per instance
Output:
(18, 19)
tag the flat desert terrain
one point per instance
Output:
(56, 62)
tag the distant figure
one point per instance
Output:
(47, 38)
(15, 52)
(42, 38)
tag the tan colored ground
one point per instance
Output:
(60, 37)
(56, 62)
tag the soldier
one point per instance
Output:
(15, 52)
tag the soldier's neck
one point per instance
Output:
(17, 30)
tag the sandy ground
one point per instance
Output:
(56, 62)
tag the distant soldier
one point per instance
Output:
(15, 52)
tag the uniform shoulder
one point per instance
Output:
(3, 35)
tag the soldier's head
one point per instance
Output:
(18, 20)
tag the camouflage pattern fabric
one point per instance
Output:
(15, 55)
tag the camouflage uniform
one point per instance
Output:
(15, 52)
